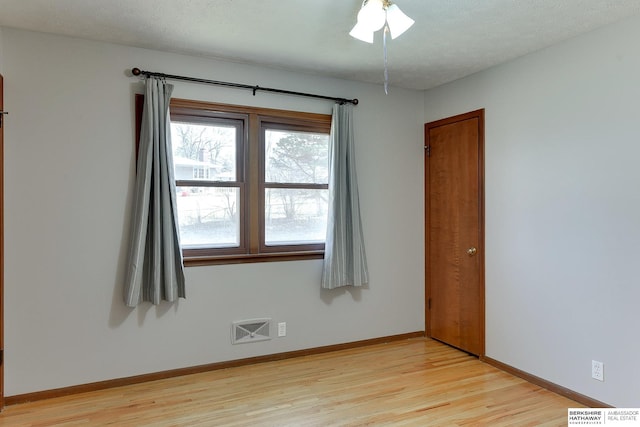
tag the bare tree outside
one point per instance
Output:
(210, 144)
(296, 167)
(293, 214)
(208, 214)
(298, 158)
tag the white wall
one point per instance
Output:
(69, 175)
(562, 209)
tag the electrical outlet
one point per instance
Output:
(282, 329)
(597, 370)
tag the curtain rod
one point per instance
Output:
(138, 71)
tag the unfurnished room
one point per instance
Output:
(319, 213)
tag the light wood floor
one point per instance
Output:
(416, 382)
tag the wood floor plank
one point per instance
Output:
(416, 382)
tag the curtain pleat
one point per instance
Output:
(345, 261)
(155, 268)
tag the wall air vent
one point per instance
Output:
(252, 330)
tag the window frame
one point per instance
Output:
(267, 123)
(240, 121)
(250, 176)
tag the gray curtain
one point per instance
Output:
(345, 262)
(155, 271)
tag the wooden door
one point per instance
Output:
(454, 225)
(1, 244)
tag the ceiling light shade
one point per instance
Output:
(361, 32)
(398, 21)
(372, 15)
(377, 14)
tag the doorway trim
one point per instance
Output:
(1, 244)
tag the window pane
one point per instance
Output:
(296, 157)
(206, 152)
(295, 216)
(208, 216)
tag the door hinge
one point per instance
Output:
(1, 357)
(2, 113)
(429, 303)
(428, 148)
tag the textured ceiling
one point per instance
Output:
(451, 38)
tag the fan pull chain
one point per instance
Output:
(384, 48)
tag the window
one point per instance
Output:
(251, 183)
(201, 172)
(209, 181)
(295, 185)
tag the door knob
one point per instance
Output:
(471, 251)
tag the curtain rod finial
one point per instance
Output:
(135, 71)
(355, 101)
